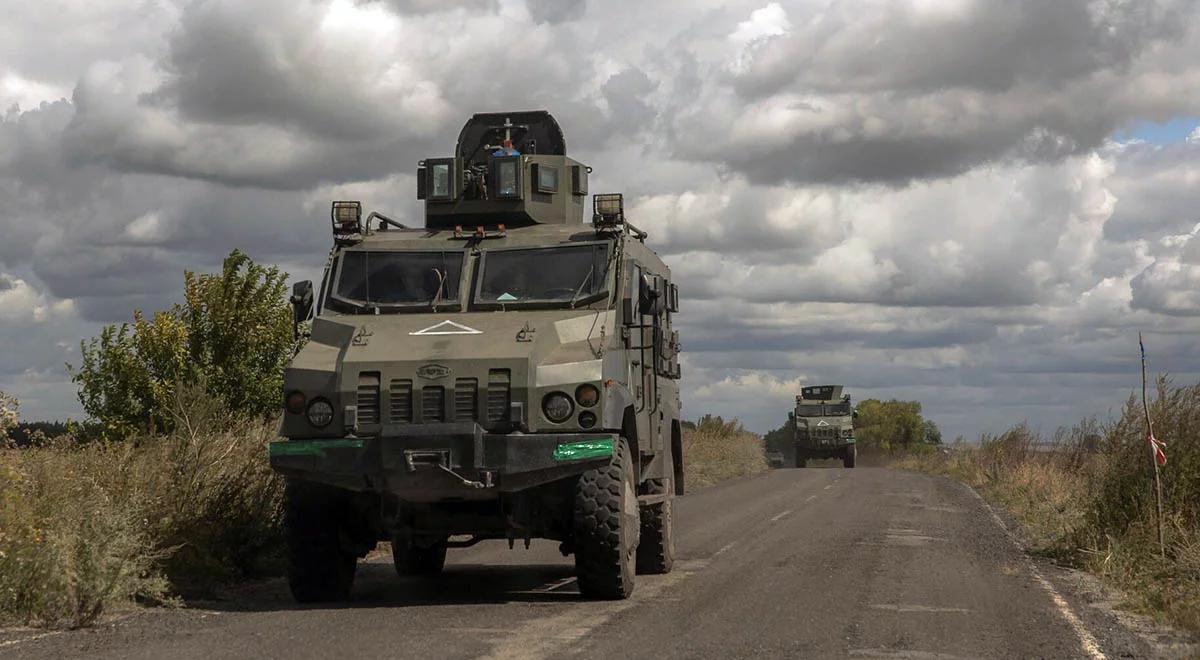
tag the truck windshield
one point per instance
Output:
(560, 275)
(838, 408)
(819, 410)
(377, 278)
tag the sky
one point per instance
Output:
(969, 203)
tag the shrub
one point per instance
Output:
(232, 336)
(1087, 497)
(88, 527)
(716, 450)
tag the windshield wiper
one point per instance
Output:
(437, 295)
(579, 289)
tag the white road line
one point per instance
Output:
(722, 550)
(777, 517)
(931, 609)
(1086, 640)
(542, 637)
(810, 498)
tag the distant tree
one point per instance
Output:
(933, 435)
(782, 439)
(231, 337)
(889, 424)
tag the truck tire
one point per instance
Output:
(801, 459)
(656, 545)
(319, 569)
(420, 560)
(848, 457)
(606, 527)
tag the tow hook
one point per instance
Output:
(440, 459)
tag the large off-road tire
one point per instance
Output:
(417, 559)
(848, 457)
(319, 568)
(801, 459)
(606, 526)
(656, 545)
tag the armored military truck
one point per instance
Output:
(506, 371)
(824, 425)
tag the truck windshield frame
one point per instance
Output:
(356, 277)
(554, 276)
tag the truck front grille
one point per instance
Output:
(400, 403)
(499, 395)
(368, 397)
(466, 398)
(433, 404)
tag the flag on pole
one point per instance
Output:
(1159, 447)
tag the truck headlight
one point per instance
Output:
(295, 402)
(557, 407)
(320, 413)
(587, 395)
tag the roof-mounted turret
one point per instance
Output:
(820, 393)
(509, 168)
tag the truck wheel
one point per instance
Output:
(319, 569)
(801, 460)
(606, 523)
(423, 560)
(848, 457)
(656, 547)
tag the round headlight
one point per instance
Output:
(587, 419)
(320, 413)
(295, 402)
(557, 407)
(587, 395)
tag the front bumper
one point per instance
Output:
(824, 444)
(430, 462)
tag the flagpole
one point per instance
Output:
(1162, 547)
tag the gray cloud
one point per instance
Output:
(556, 11)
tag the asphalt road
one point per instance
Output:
(819, 562)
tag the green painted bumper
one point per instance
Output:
(423, 458)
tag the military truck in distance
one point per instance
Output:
(824, 425)
(504, 372)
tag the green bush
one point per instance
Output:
(232, 336)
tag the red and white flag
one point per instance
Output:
(1159, 447)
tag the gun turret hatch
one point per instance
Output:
(508, 168)
(820, 393)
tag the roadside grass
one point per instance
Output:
(716, 450)
(1086, 498)
(89, 528)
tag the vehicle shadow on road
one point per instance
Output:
(376, 585)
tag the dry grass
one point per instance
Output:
(88, 528)
(1086, 498)
(717, 450)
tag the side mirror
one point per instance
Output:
(651, 301)
(854, 414)
(302, 304)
